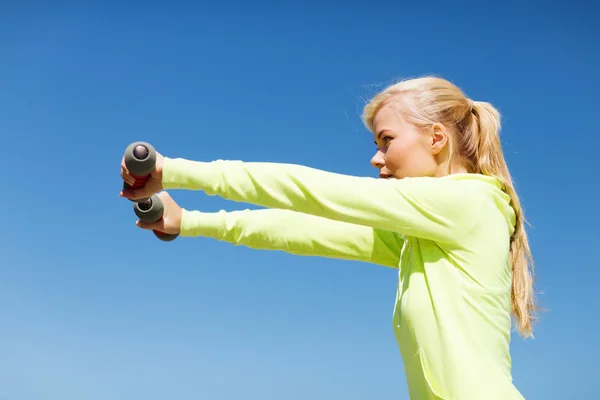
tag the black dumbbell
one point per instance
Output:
(140, 158)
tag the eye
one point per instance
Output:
(385, 139)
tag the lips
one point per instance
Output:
(385, 176)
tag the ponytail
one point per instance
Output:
(489, 160)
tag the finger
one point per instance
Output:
(150, 225)
(134, 194)
(130, 180)
(164, 196)
(126, 175)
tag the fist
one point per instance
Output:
(171, 220)
(153, 184)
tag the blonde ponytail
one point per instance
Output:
(430, 100)
(490, 161)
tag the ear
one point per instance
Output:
(439, 138)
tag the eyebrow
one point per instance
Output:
(379, 135)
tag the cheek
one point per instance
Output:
(396, 155)
(403, 154)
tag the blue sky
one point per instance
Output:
(92, 308)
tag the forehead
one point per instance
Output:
(388, 117)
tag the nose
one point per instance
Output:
(377, 161)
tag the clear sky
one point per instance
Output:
(93, 308)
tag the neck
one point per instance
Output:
(454, 167)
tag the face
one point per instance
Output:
(402, 149)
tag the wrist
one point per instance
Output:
(190, 223)
(180, 173)
(197, 223)
(169, 174)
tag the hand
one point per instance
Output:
(171, 220)
(153, 184)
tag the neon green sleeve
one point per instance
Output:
(296, 233)
(429, 208)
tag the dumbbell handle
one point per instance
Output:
(140, 160)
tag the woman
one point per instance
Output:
(444, 213)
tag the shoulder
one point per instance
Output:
(471, 200)
(488, 206)
(457, 193)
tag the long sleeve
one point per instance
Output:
(430, 208)
(296, 233)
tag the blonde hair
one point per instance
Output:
(428, 100)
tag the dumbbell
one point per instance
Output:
(140, 159)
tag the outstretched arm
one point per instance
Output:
(431, 208)
(296, 233)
